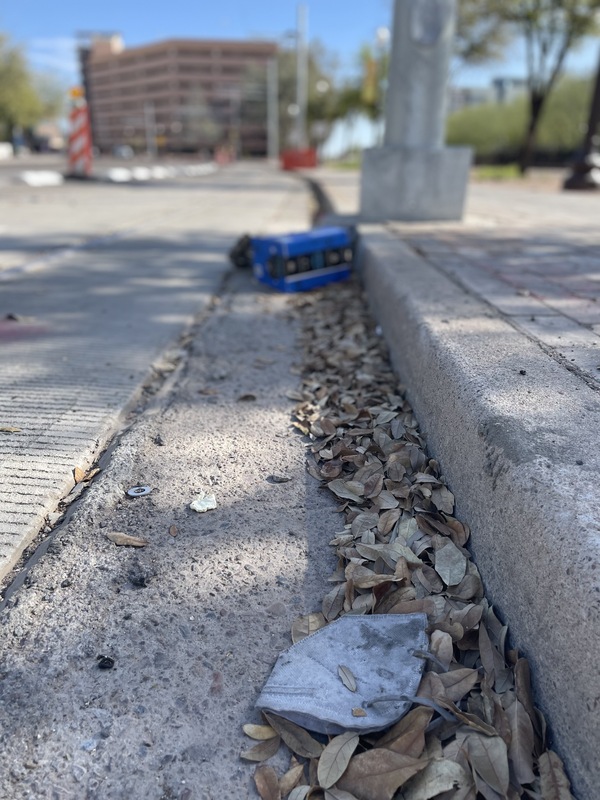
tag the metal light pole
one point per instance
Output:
(301, 76)
(382, 37)
(150, 129)
(586, 170)
(273, 109)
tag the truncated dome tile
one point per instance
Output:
(305, 685)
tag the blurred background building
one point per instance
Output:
(179, 95)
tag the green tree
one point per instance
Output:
(52, 94)
(550, 29)
(479, 37)
(20, 104)
(495, 131)
(322, 107)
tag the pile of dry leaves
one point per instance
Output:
(475, 732)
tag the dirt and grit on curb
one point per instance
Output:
(130, 671)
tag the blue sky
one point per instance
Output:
(46, 28)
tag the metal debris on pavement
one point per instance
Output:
(139, 491)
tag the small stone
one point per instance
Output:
(105, 662)
(522, 372)
(277, 609)
(278, 478)
(66, 583)
(579, 463)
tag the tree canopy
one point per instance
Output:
(20, 103)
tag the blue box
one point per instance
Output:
(298, 262)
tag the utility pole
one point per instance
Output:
(273, 109)
(585, 173)
(150, 128)
(302, 76)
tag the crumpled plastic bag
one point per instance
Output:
(305, 686)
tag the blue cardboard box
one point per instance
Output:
(298, 262)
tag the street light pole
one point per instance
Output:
(273, 109)
(301, 76)
(586, 170)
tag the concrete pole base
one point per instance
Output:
(414, 184)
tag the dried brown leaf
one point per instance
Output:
(365, 578)
(297, 739)
(335, 758)
(520, 751)
(378, 774)
(373, 486)
(306, 625)
(359, 712)
(525, 696)
(338, 794)
(259, 732)
(443, 500)
(173, 530)
(472, 720)
(440, 775)
(347, 678)
(424, 606)
(554, 784)
(395, 471)
(441, 645)
(387, 520)
(402, 550)
(333, 602)
(262, 751)
(459, 683)
(341, 489)
(411, 742)
(9, 429)
(432, 687)
(460, 532)
(450, 564)
(455, 629)
(299, 793)
(291, 779)
(468, 617)
(493, 661)
(267, 783)
(489, 758)
(429, 579)
(470, 587)
(363, 522)
(124, 540)
(386, 500)
(78, 474)
(408, 735)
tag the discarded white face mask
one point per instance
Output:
(376, 654)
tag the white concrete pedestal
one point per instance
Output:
(414, 184)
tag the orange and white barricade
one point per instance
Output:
(80, 136)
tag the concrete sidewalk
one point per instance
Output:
(494, 327)
(104, 319)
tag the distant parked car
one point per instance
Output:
(122, 151)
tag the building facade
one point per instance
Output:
(179, 95)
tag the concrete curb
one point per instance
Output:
(517, 437)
